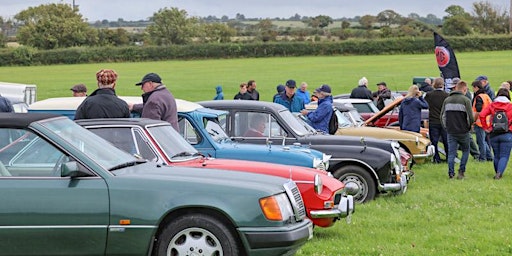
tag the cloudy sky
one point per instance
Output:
(94, 10)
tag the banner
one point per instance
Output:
(446, 62)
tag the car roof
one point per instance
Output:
(23, 120)
(121, 121)
(351, 100)
(72, 103)
(243, 104)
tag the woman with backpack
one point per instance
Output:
(500, 130)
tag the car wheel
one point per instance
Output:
(358, 182)
(197, 234)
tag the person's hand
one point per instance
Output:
(303, 112)
(130, 106)
(418, 94)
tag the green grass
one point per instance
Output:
(436, 216)
(196, 80)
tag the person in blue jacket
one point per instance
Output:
(319, 118)
(289, 98)
(409, 115)
(220, 94)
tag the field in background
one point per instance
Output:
(196, 79)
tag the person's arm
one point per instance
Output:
(423, 103)
(483, 118)
(469, 110)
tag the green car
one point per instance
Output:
(66, 191)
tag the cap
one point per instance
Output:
(151, 77)
(324, 88)
(382, 83)
(290, 83)
(79, 88)
(481, 77)
(106, 76)
(280, 88)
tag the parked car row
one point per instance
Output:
(139, 187)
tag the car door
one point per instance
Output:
(42, 213)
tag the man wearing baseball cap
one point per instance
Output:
(289, 98)
(486, 85)
(158, 102)
(320, 118)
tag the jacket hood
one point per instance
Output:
(218, 88)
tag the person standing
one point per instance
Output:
(158, 102)
(303, 92)
(361, 91)
(289, 98)
(409, 115)
(436, 131)
(79, 90)
(426, 86)
(480, 101)
(219, 94)
(5, 105)
(486, 85)
(457, 118)
(103, 102)
(280, 89)
(251, 89)
(319, 118)
(382, 94)
(501, 141)
(243, 94)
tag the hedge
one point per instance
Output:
(26, 56)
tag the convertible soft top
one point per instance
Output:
(22, 120)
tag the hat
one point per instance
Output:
(324, 88)
(280, 88)
(290, 83)
(106, 76)
(455, 80)
(151, 77)
(481, 77)
(79, 88)
(382, 83)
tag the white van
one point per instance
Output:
(20, 95)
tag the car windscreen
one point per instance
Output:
(171, 142)
(213, 128)
(95, 147)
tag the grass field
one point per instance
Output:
(436, 216)
(196, 80)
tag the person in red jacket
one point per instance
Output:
(501, 141)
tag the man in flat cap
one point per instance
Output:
(158, 102)
(103, 102)
(79, 90)
(382, 94)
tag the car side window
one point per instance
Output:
(121, 137)
(188, 131)
(252, 124)
(144, 148)
(27, 155)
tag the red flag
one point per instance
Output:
(446, 61)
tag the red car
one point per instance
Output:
(324, 196)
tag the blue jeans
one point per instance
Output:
(456, 141)
(483, 147)
(501, 145)
(437, 133)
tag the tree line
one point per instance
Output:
(54, 26)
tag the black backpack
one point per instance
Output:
(333, 122)
(500, 122)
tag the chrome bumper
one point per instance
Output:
(430, 153)
(344, 209)
(399, 187)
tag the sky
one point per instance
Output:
(133, 10)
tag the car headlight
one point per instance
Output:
(277, 207)
(318, 164)
(319, 185)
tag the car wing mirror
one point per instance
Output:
(71, 169)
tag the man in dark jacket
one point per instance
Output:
(361, 91)
(103, 102)
(436, 131)
(382, 94)
(457, 118)
(158, 102)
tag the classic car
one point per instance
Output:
(203, 141)
(365, 165)
(351, 123)
(67, 191)
(324, 196)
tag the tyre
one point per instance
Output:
(358, 182)
(197, 234)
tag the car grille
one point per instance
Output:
(296, 199)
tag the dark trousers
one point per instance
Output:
(437, 134)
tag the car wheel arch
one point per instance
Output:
(362, 170)
(216, 214)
